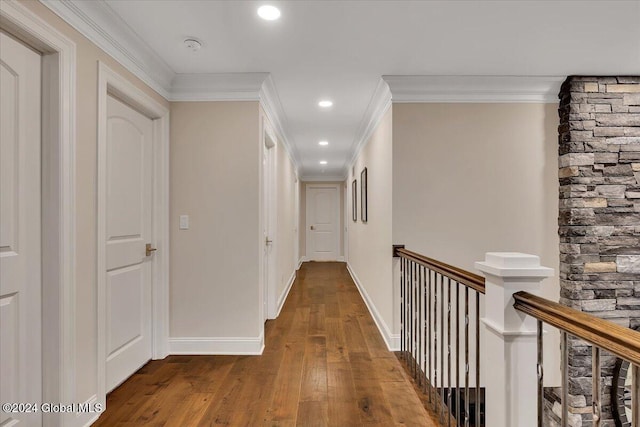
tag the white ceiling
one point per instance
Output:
(340, 49)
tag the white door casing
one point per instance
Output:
(129, 263)
(58, 206)
(269, 224)
(129, 180)
(296, 242)
(20, 230)
(346, 215)
(323, 222)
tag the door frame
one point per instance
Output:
(337, 219)
(58, 205)
(296, 242)
(112, 83)
(269, 214)
(347, 216)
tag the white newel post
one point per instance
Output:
(510, 349)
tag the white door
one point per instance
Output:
(268, 259)
(20, 256)
(129, 179)
(323, 210)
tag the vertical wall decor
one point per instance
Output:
(363, 195)
(354, 200)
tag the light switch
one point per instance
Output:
(184, 222)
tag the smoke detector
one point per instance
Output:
(192, 44)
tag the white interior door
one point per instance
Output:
(129, 180)
(323, 210)
(20, 252)
(269, 229)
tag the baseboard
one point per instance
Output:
(300, 261)
(217, 345)
(87, 418)
(392, 340)
(285, 293)
(340, 259)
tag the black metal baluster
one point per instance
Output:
(596, 390)
(458, 397)
(436, 401)
(402, 303)
(430, 350)
(467, 414)
(478, 401)
(540, 375)
(416, 350)
(449, 351)
(442, 349)
(411, 318)
(406, 314)
(564, 350)
(419, 328)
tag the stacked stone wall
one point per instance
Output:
(599, 221)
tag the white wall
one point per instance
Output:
(370, 244)
(215, 157)
(476, 178)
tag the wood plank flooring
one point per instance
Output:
(324, 364)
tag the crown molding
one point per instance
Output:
(322, 178)
(377, 108)
(217, 86)
(480, 89)
(101, 25)
(272, 106)
(106, 29)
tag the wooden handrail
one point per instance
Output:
(464, 277)
(621, 341)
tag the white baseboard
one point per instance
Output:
(217, 345)
(87, 418)
(340, 259)
(392, 340)
(300, 261)
(285, 293)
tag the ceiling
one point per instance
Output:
(339, 50)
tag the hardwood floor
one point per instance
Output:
(324, 364)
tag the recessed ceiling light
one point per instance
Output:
(323, 143)
(323, 162)
(268, 12)
(325, 103)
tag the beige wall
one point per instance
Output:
(475, 178)
(215, 155)
(87, 59)
(303, 215)
(370, 244)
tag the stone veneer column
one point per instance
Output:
(599, 222)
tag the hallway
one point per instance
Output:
(324, 364)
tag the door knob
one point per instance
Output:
(149, 250)
(312, 227)
(268, 241)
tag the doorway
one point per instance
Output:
(269, 224)
(323, 222)
(133, 242)
(20, 229)
(57, 209)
